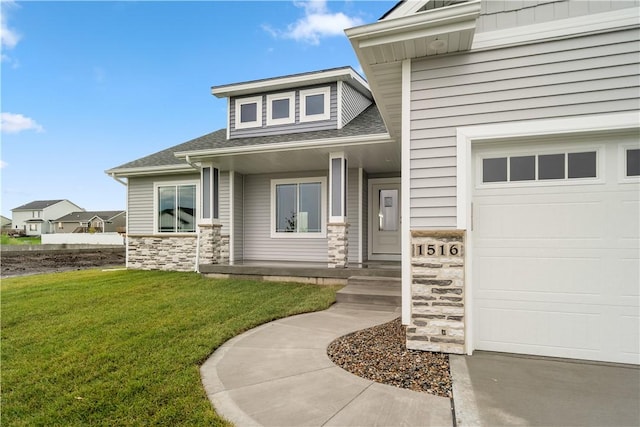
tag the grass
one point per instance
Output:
(124, 347)
(6, 240)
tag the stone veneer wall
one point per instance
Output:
(178, 252)
(437, 291)
(172, 253)
(338, 241)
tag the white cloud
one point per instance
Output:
(14, 123)
(9, 38)
(3, 164)
(318, 22)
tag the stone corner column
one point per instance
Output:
(338, 241)
(209, 243)
(437, 291)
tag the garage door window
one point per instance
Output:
(542, 167)
(633, 162)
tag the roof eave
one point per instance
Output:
(149, 170)
(287, 82)
(285, 146)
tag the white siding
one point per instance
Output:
(502, 14)
(258, 242)
(580, 76)
(140, 213)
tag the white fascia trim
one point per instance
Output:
(381, 138)
(321, 77)
(150, 170)
(339, 100)
(405, 190)
(394, 30)
(580, 25)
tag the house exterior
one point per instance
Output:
(91, 222)
(5, 222)
(493, 149)
(35, 217)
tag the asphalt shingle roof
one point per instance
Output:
(87, 215)
(369, 122)
(37, 205)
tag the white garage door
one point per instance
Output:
(555, 258)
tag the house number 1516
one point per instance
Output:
(436, 249)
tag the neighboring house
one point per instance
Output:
(5, 223)
(91, 222)
(500, 163)
(35, 217)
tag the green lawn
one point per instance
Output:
(124, 347)
(6, 240)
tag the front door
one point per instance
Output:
(384, 219)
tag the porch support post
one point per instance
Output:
(209, 238)
(337, 229)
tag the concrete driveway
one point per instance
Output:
(496, 389)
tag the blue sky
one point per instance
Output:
(87, 86)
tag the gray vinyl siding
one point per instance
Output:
(238, 213)
(295, 127)
(257, 216)
(503, 14)
(141, 211)
(353, 216)
(353, 103)
(594, 74)
(224, 192)
(365, 216)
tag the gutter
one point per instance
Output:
(113, 175)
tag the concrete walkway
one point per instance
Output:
(279, 374)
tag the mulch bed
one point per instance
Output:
(380, 354)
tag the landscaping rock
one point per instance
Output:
(380, 354)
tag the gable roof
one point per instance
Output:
(369, 122)
(38, 205)
(87, 215)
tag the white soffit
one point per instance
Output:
(382, 46)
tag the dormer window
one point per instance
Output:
(281, 108)
(249, 112)
(314, 104)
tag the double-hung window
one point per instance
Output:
(249, 112)
(176, 208)
(298, 207)
(281, 108)
(314, 104)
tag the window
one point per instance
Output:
(281, 108)
(176, 208)
(540, 167)
(298, 207)
(633, 162)
(249, 112)
(314, 104)
(33, 227)
(36, 214)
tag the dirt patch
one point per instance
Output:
(37, 262)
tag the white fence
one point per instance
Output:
(83, 239)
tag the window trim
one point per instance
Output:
(197, 218)
(623, 147)
(326, 91)
(323, 209)
(528, 151)
(291, 96)
(250, 100)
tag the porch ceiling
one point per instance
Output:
(374, 157)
